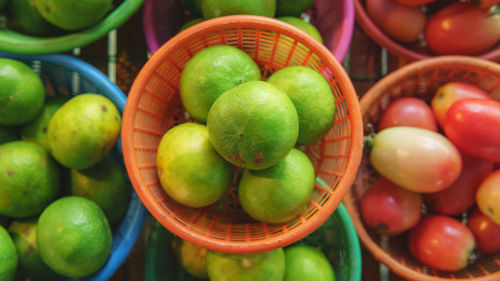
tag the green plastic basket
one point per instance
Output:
(15, 42)
(336, 238)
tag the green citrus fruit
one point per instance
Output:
(24, 15)
(83, 130)
(304, 26)
(190, 23)
(74, 236)
(262, 266)
(279, 193)
(253, 126)
(292, 7)
(8, 256)
(191, 257)
(8, 134)
(218, 8)
(190, 170)
(73, 14)
(29, 179)
(193, 6)
(306, 263)
(212, 72)
(106, 184)
(22, 94)
(36, 130)
(30, 263)
(312, 97)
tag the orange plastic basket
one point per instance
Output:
(409, 52)
(419, 79)
(154, 106)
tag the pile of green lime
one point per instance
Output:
(297, 262)
(289, 11)
(54, 17)
(60, 189)
(245, 123)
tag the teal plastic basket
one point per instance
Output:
(69, 76)
(336, 238)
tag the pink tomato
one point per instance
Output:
(486, 232)
(488, 196)
(408, 111)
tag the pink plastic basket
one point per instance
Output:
(333, 18)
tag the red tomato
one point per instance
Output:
(461, 29)
(451, 92)
(486, 232)
(473, 125)
(416, 159)
(461, 195)
(442, 243)
(408, 111)
(488, 196)
(389, 208)
(414, 2)
(391, 17)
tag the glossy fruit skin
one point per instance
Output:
(486, 232)
(461, 29)
(441, 242)
(388, 16)
(389, 208)
(452, 92)
(416, 159)
(472, 125)
(461, 194)
(488, 196)
(408, 111)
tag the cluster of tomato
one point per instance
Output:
(447, 27)
(443, 156)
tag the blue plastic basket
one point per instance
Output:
(336, 237)
(69, 76)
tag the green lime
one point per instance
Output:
(191, 257)
(74, 236)
(193, 6)
(30, 263)
(83, 130)
(279, 193)
(262, 266)
(24, 15)
(106, 184)
(8, 256)
(292, 7)
(253, 126)
(22, 94)
(312, 97)
(36, 130)
(29, 179)
(190, 170)
(218, 8)
(306, 263)
(210, 73)
(8, 134)
(190, 23)
(73, 14)
(304, 26)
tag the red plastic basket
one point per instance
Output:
(419, 79)
(403, 51)
(154, 106)
(333, 18)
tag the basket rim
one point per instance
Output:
(396, 48)
(354, 256)
(14, 42)
(369, 98)
(136, 213)
(339, 48)
(209, 26)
